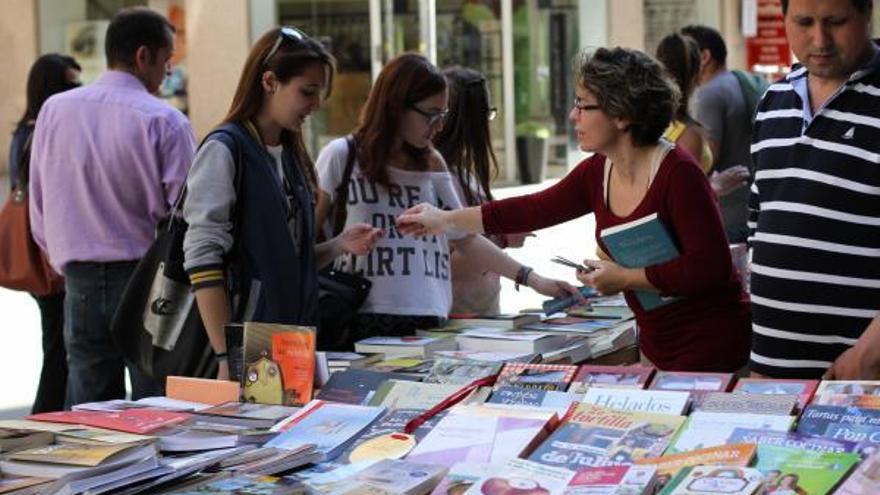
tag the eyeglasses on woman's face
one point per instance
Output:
(288, 32)
(434, 118)
(584, 107)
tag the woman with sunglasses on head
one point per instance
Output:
(465, 143)
(623, 104)
(51, 73)
(250, 247)
(396, 167)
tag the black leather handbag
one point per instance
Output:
(157, 324)
(340, 294)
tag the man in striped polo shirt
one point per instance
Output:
(815, 202)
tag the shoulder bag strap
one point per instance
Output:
(339, 209)
(24, 164)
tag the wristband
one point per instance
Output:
(522, 276)
(221, 356)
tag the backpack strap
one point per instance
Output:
(340, 212)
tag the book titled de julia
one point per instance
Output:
(638, 244)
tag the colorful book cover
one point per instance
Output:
(860, 401)
(691, 381)
(459, 371)
(612, 480)
(461, 477)
(356, 386)
(396, 394)
(852, 424)
(394, 476)
(732, 454)
(791, 439)
(849, 387)
(635, 376)
(864, 479)
(710, 429)
(783, 405)
(793, 470)
(542, 376)
(279, 363)
(640, 243)
(649, 401)
(482, 434)
(804, 389)
(708, 480)
(550, 399)
(596, 436)
(140, 421)
(268, 412)
(244, 484)
(73, 454)
(329, 426)
(518, 476)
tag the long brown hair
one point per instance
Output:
(404, 81)
(291, 59)
(465, 142)
(680, 55)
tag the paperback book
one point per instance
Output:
(396, 394)
(799, 471)
(459, 371)
(649, 401)
(711, 429)
(713, 479)
(851, 424)
(356, 386)
(549, 399)
(635, 376)
(518, 476)
(790, 439)
(140, 421)
(595, 436)
(541, 376)
(732, 454)
(279, 363)
(804, 389)
(613, 480)
(783, 405)
(505, 320)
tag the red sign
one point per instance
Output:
(769, 47)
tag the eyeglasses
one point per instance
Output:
(581, 107)
(288, 32)
(434, 118)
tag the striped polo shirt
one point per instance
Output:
(815, 223)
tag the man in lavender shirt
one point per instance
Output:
(107, 162)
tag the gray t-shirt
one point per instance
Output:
(719, 105)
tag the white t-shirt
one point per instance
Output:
(410, 276)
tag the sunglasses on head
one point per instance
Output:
(288, 32)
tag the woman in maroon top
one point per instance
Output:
(623, 103)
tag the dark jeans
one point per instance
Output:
(96, 367)
(53, 376)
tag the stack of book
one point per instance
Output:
(478, 422)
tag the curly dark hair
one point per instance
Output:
(630, 85)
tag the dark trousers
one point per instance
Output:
(378, 324)
(96, 368)
(53, 376)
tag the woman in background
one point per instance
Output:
(465, 143)
(50, 74)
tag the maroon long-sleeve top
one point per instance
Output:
(709, 328)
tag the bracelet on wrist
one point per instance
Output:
(221, 356)
(522, 276)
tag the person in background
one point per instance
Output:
(465, 142)
(814, 213)
(720, 106)
(681, 56)
(396, 167)
(272, 276)
(624, 102)
(51, 73)
(107, 162)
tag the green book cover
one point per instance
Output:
(638, 244)
(816, 473)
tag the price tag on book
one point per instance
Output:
(390, 446)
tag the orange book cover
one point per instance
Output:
(737, 454)
(295, 353)
(203, 390)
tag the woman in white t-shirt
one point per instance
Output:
(396, 167)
